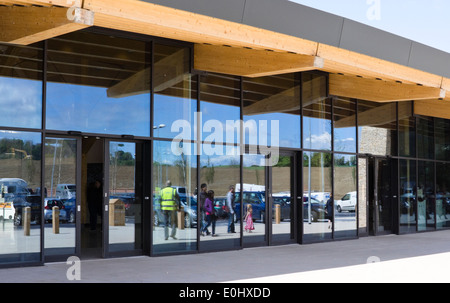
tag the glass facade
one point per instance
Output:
(190, 161)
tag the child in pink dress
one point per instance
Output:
(249, 219)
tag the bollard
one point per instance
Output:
(55, 219)
(277, 214)
(26, 214)
(181, 218)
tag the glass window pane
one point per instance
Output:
(344, 119)
(219, 178)
(60, 191)
(442, 139)
(425, 142)
(406, 130)
(174, 199)
(345, 196)
(317, 200)
(175, 95)
(98, 84)
(442, 195)
(408, 196)
(377, 128)
(271, 107)
(220, 97)
(20, 194)
(21, 86)
(425, 196)
(316, 113)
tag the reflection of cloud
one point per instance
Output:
(322, 141)
(21, 102)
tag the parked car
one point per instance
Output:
(190, 212)
(32, 201)
(285, 206)
(66, 191)
(347, 202)
(70, 207)
(219, 206)
(258, 201)
(317, 209)
(49, 203)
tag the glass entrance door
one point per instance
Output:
(382, 196)
(269, 200)
(61, 207)
(123, 203)
(282, 199)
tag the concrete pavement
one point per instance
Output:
(423, 257)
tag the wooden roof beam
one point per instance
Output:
(27, 25)
(250, 62)
(380, 90)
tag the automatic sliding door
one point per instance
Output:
(124, 203)
(60, 191)
(283, 202)
(254, 200)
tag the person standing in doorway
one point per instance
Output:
(169, 206)
(94, 199)
(230, 209)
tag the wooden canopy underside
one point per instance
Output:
(229, 48)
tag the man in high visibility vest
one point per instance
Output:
(169, 206)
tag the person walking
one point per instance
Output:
(201, 201)
(210, 217)
(329, 211)
(230, 209)
(169, 207)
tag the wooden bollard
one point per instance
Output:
(26, 214)
(181, 218)
(55, 219)
(277, 214)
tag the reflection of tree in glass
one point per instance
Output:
(209, 171)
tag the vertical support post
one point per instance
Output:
(277, 214)
(181, 218)
(55, 219)
(26, 214)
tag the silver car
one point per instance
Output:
(49, 203)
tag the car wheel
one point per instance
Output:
(17, 219)
(187, 220)
(72, 218)
(155, 220)
(314, 216)
(339, 209)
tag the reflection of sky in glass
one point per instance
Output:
(21, 103)
(317, 133)
(169, 109)
(288, 131)
(222, 113)
(345, 139)
(88, 109)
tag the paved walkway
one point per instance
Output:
(423, 257)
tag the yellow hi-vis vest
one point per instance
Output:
(168, 199)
